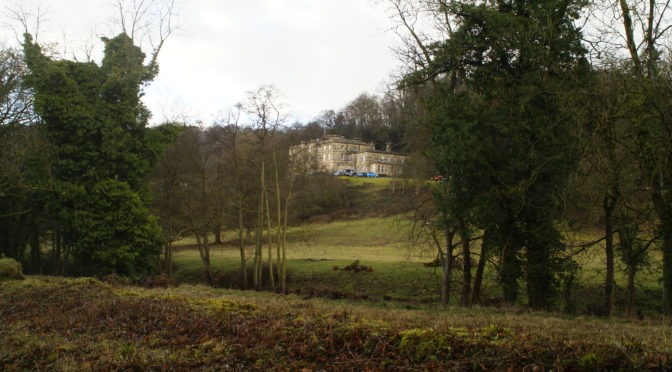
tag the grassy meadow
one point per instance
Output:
(399, 274)
(315, 250)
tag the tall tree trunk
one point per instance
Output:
(609, 203)
(283, 258)
(241, 243)
(35, 254)
(168, 233)
(667, 273)
(202, 231)
(630, 295)
(278, 230)
(646, 72)
(217, 231)
(259, 231)
(55, 252)
(204, 252)
(660, 195)
(168, 258)
(630, 36)
(269, 240)
(65, 257)
(509, 272)
(478, 279)
(465, 236)
(60, 252)
(283, 261)
(447, 263)
(538, 275)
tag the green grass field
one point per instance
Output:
(314, 250)
(398, 271)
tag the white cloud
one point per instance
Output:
(319, 53)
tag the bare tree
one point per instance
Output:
(418, 24)
(148, 22)
(30, 21)
(238, 184)
(266, 118)
(263, 115)
(643, 32)
(185, 192)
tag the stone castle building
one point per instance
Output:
(334, 152)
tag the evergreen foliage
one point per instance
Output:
(503, 129)
(96, 122)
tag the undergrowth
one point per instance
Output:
(61, 324)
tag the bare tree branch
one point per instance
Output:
(151, 21)
(29, 21)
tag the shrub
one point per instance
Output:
(162, 280)
(355, 267)
(424, 344)
(10, 269)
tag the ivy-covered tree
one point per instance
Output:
(503, 127)
(96, 122)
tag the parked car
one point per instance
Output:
(344, 172)
(367, 174)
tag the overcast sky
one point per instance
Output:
(320, 54)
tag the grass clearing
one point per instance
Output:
(315, 250)
(376, 182)
(398, 271)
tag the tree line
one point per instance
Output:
(542, 123)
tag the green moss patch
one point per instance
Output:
(10, 269)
